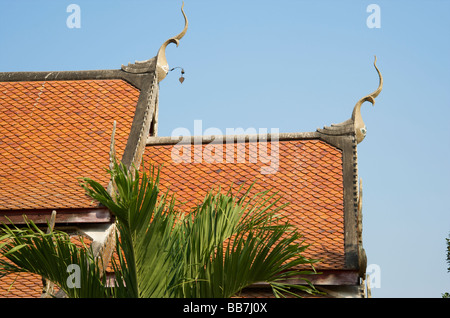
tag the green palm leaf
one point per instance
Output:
(146, 223)
(29, 249)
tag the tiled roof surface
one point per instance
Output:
(21, 285)
(53, 132)
(308, 177)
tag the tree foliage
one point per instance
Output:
(448, 253)
(447, 295)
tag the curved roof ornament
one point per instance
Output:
(162, 67)
(157, 64)
(360, 127)
(355, 124)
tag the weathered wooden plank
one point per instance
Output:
(65, 216)
(335, 277)
(326, 277)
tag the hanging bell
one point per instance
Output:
(181, 78)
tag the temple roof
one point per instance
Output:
(307, 175)
(55, 127)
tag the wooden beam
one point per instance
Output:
(63, 216)
(326, 277)
(331, 277)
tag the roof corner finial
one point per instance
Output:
(360, 127)
(162, 67)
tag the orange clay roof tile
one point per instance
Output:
(55, 132)
(313, 190)
(309, 177)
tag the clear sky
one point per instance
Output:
(296, 66)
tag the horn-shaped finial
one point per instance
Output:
(162, 67)
(360, 127)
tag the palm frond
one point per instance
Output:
(29, 249)
(146, 223)
(231, 244)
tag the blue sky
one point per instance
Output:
(296, 66)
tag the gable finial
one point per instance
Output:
(360, 127)
(162, 67)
